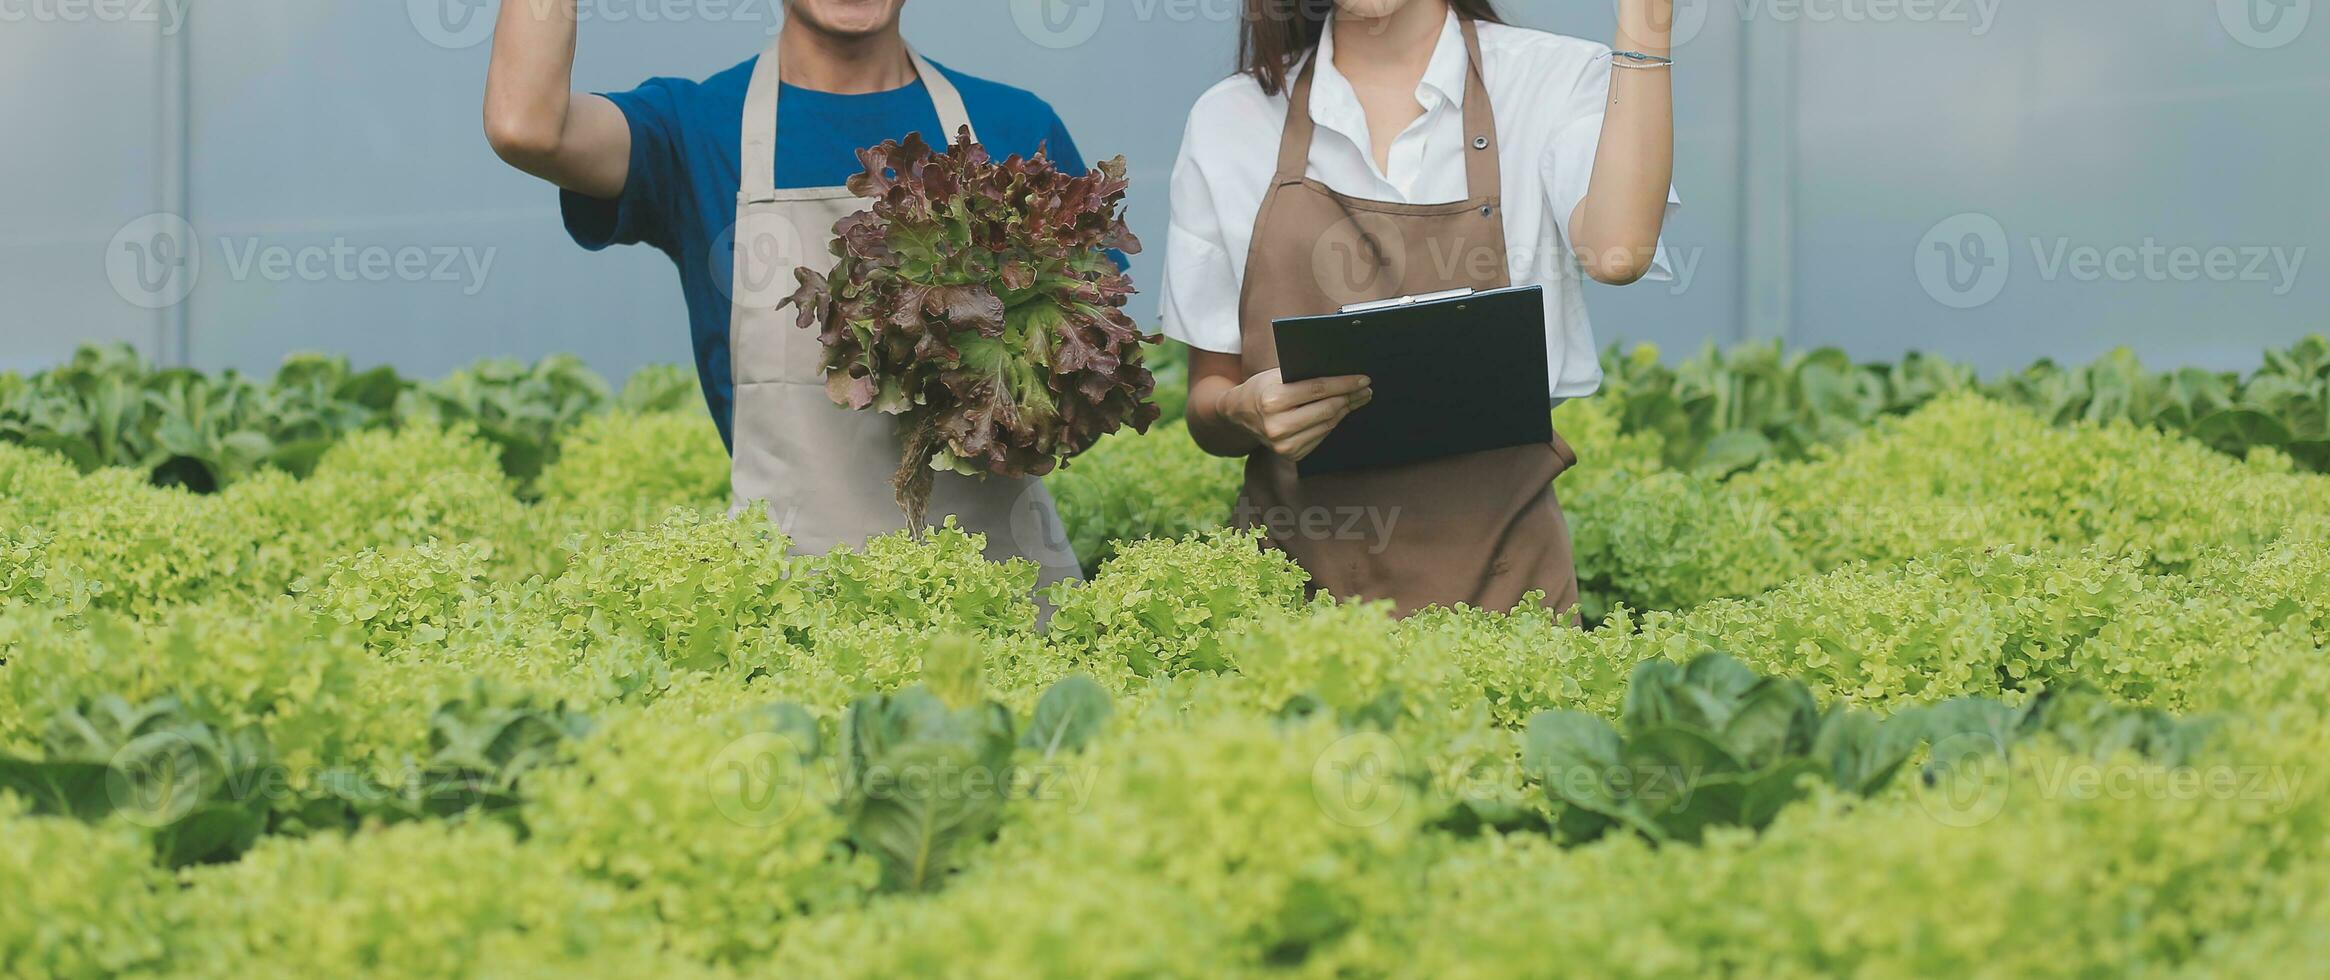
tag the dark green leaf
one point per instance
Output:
(59, 788)
(1766, 792)
(792, 721)
(923, 779)
(1651, 693)
(1731, 452)
(2234, 430)
(1861, 752)
(1774, 719)
(1068, 716)
(210, 832)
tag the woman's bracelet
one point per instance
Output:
(1638, 60)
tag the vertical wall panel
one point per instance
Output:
(77, 108)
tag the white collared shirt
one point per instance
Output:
(1549, 91)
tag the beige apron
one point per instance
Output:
(822, 470)
(1481, 528)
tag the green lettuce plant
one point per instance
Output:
(520, 408)
(1713, 744)
(923, 777)
(1707, 744)
(198, 791)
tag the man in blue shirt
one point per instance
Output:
(666, 164)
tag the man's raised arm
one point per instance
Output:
(534, 119)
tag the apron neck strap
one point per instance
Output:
(1483, 172)
(1294, 145)
(758, 178)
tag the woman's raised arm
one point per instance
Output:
(1615, 230)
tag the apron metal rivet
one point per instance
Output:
(1480, 142)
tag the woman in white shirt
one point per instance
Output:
(1379, 148)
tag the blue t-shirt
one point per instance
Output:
(686, 140)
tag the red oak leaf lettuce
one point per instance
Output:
(977, 298)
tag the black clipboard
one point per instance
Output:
(1454, 373)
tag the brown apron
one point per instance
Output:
(1480, 528)
(823, 471)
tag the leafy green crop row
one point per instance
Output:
(1714, 414)
(108, 408)
(1964, 471)
(1723, 411)
(412, 724)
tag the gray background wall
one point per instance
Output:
(1878, 174)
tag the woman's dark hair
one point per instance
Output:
(1278, 33)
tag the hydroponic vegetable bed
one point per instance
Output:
(477, 678)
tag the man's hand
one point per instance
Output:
(535, 121)
(1292, 418)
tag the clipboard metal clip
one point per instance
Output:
(1400, 301)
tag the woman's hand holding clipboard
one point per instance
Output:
(1449, 374)
(1293, 418)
